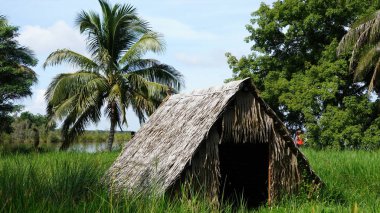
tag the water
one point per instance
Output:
(92, 147)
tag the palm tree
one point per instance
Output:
(114, 78)
(363, 39)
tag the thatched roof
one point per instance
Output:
(163, 146)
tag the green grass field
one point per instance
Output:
(69, 182)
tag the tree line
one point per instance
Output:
(29, 133)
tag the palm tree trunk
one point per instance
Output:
(111, 136)
(112, 128)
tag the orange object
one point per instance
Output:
(299, 141)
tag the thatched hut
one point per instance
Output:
(225, 140)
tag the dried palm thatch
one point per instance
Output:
(181, 142)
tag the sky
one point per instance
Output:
(197, 33)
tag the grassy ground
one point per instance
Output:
(352, 181)
(69, 182)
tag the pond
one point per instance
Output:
(92, 147)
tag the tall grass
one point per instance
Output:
(69, 182)
(353, 174)
(50, 182)
(352, 183)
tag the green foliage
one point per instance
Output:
(37, 120)
(28, 129)
(39, 180)
(295, 67)
(70, 182)
(116, 76)
(16, 76)
(371, 139)
(298, 31)
(347, 127)
(352, 173)
(28, 126)
(101, 137)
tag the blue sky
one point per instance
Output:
(197, 34)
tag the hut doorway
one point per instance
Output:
(244, 173)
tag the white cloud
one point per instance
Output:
(210, 59)
(189, 59)
(175, 29)
(37, 103)
(43, 41)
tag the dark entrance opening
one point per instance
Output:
(244, 173)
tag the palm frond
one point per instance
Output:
(162, 74)
(367, 61)
(3, 20)
(75, 102)
(375, 30)
(358, 35)
(60, 110)
(143, 107)
(139, 64)
(106, 9)
(120, 95)
(113, 111)
(123, 99)
(70, 57)
(77, 120)
(68, 84)
(144, 96)
(150, 41)
(68, 95)
(90, 24)
(139, 85)
(363, 40)
(375, 77)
